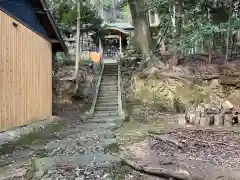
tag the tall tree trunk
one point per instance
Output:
(78, 46)
(210, 50)
(101, 10)
(210, 41)
(77, 42)
(178, 21)
(228, 32)
(141, 26)
(114, 13)
(179, 17)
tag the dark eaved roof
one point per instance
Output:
(46, 19)
(35, 15)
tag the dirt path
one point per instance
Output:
(82, 150)
(79, 151)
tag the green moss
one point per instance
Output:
(113, 148)
(42, 153)
(37, 135)
(133, 131)
(179, 107)
(191, 95)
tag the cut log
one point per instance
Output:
(228, 120)
(211, 118)
(168, 141)
(219, 120)
(179, 174)
(197, 118)
(238, 119)
(205, 121)
(181, 119)
(192, 118)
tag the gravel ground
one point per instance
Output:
(219, 148)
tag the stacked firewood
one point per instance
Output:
(225, 115)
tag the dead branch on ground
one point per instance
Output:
(179, 174)
(168, 141)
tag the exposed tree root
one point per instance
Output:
(161, 132)
(168, 141)
(179, 174)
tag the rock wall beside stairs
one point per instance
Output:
(169, 94)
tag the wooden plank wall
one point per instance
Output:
(25, 75)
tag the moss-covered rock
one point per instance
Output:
(171, 94)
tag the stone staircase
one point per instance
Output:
(107, 108)
(107, 101)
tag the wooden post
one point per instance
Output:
(99, 45)
(120, 44)
(100, 48)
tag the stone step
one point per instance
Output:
(108, 93)
(107, 83)
(105, 119)
(109, 99)
(110, 67)
(102, 97)
(110, 73)
(106, 113)
(113, 78)
(109, 80)
(110, 77)
(102, 120)
(108, 88)
(107, 96)
(106, 108)
(106, 103)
